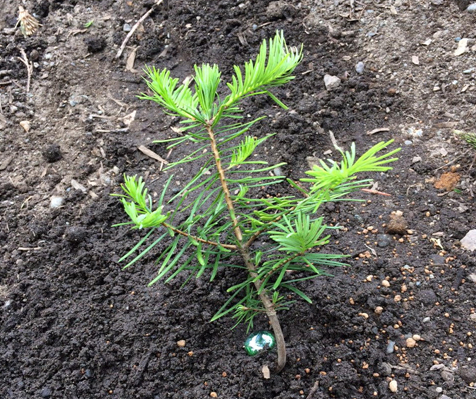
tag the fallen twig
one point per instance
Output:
(136, 25)
(313, 390)
(334, 142)
(378, 130)
(152, 154)
(29, 68)
(369, 190)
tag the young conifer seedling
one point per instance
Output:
(218, 215)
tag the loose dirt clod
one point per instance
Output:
(397, 223)
(52, 153)
(448, 181)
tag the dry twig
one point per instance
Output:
(136, 25)
(29, 68)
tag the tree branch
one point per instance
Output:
(185, 234)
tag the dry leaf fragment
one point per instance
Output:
(152, 154)
(28, 24)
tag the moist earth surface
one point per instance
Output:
(397, 322)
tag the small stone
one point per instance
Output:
(426, 320)
(391, 346)
(410, 342)
(438, 390)
(76, 234)
(468, 374)
(393, 386)
(181, 343)
(52, 153)
(25, 125)
(383, 240)
(397, 298)
(45, 392)
(258, 342)
(56, 202)
(359, 68)
(369, 277)
(378, 310)
(469, 240)
(408, 142)
(416, 337)
(471, 8)
(472, 316)
(385, 283)
(126, 28)
(331, 82)
(213, 394)
(427, 297)
(448, 376)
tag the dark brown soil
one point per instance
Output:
(74, 325)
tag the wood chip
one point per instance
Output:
(130, 61)
(266, 372)
(152, 154)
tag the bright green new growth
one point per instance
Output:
(469, 137)
(219, 215)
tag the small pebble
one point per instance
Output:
(181, 343)
(126, 28)
(378, 310)
(390, 346)
(426, 320)
(56, 202)
(408, 142)
(416, 337)
(331, 82)
(383, 240)
(411, 343)
(360, 67)
(385, 283)
(393, 386)
(439, 389)
(278, 172)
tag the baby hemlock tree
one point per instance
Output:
(223, 218)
